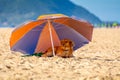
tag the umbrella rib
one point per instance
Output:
(51, 38)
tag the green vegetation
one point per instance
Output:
(115, 24)
(35, 54)
(108, 24)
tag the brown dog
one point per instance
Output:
(65, 50)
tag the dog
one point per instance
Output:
(65, 50)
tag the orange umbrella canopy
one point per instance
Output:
(47, 31)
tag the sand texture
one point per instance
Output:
(98, 60)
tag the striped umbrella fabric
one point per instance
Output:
(47, 31)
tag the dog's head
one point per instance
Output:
(67, 44)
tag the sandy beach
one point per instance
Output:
(98, 60)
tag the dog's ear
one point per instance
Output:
(72, 43)
(62, 42)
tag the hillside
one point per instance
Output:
(16, 12)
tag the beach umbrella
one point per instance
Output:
(47, 31)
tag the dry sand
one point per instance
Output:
(98, 60)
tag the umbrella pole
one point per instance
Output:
(51, 38)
